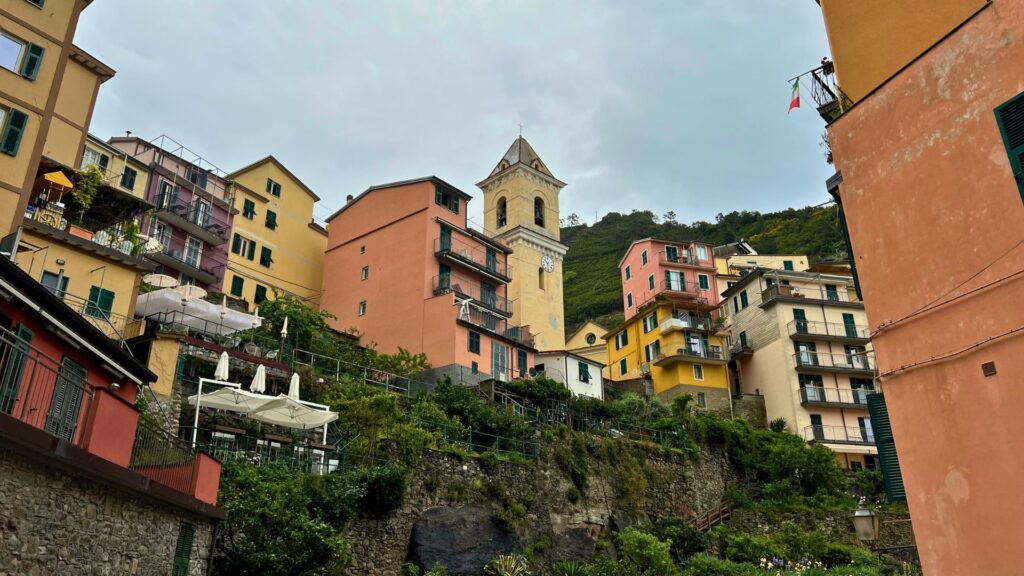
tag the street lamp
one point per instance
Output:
(865, 523)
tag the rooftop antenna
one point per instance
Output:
(127, 133)
(520, 129)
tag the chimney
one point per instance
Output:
(348, 199)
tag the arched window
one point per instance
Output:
(502, 212)
(538, 211)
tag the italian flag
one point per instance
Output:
(795, 100)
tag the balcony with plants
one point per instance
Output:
(682, 320)
(832, 294)
(472, 256)
(176, 253)
(195, 217)
(80, 208)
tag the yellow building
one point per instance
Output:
(44, 76)
(275, 217)
(672, 349)
(521, 210)
(588, 341)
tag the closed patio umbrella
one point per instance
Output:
(293, 386)
(259, 381)
(221, 372)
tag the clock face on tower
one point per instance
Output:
(547, 263)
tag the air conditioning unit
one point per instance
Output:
(645, 368)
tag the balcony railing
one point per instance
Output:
(42, 392)
(112, 324)
(679, 322)
(830, 330)
(831, 101)
(839, 434)
(740, 349)
(859, 362)
(254, 342)
(101, 232)
(839, 294)
(846, 396)
(301, 456)
(471, 289)
(473, 256)
(496, 325)
(205, 266)
(194, 217)
(711, 353)
(163, 458)
(680, 256)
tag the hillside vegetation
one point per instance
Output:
(593, 288)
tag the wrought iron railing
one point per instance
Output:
(496, 324)
(860, 361)
(814, 394)
(830, 99)
(197, 212)
(45, 393)
(472, 254)
(708, 353)
(471, 289)
(163, 458)
(112, 324)
(687, 322)
(301, 455)
(839, 434)
(836, 329)
(839, 294)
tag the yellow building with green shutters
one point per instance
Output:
(276, 244)
(671, 342)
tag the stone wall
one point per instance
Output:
(539, 502)
(751, 408)
(54, 523)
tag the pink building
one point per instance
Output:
(404, 271)
(677, 270)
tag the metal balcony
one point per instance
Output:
(472, 257)
(712, 355)
(740, 349)
(830, 99)
(829, 331)
(471, 289)
(196, 218)
(860, 364)
(687, 322)
(497, 325)
(835, 397)
(839, 435)
(839, 296)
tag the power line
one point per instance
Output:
(947, 355)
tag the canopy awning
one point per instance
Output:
(58, 178)
(194, 313)
(291, 413)
(231, 399)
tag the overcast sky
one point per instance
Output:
(677, 105)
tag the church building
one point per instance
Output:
(521, 211)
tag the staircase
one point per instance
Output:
(712, 518)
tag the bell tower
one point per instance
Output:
(521, 210)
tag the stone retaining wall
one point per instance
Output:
(54, 523)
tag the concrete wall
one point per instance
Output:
(934, 214)
(58, 523)
(565, 369)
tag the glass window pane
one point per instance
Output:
(10, 52)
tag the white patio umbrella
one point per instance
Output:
(290, 413)
(284, 328)
(293, 386)
(259, 381)
(160, 280)
(191, 292)
(231, 399)
(221, 372)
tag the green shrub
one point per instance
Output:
(566, 568)
(871, 484)
(778, 425)
(508, 565)
(539, 388)
(750, 548)
(385, 488)
(489, 461)
(336, 497)
(686, 540)
(704, 565)
(646, 552)
(797, 543)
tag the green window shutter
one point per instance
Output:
(10, 380)
(743, 339)
(37, 2)
(266, 256)
(705, 284)
(237, 285)
(249, 209)
(270, 185)
(623, 367)
(106, 303)
(92, 305)
(66, 402)
(438, 195)
(887, 458)
(787, 264)
(1010, 118)
(455, 203)
(850, 325)
(271, 220)
(236, 244)
(104, 161)
(252, 251)
(743, 299)
(261, 294)
(33, 60)
(128, 178)
(13, 131)
(183, 550)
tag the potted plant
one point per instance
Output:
(89, 181)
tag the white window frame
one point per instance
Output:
(243, 246)
(707, 281)
(702, 252)
(364, 273)
(619, 343)
(698, 372)
(650, 322)
(87, 161)
(21, 52)
(362, 308)
(199, 254)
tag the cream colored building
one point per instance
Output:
(521, 210)
(801, 341)
(588, 341)
(275, 216)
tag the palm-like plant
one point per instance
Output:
(508, 565)
(566, 568)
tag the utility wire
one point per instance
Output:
(940, 357)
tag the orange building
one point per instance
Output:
(404, 271)
(928, 144)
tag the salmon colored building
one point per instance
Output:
(928, 145)
(403, 271)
